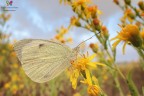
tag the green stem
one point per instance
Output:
(109, 54)
(140, 52)
(115, 76)
(136, 12)
(118, 70)
(118, 86)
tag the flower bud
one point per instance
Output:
(93, 10)
(116, 2)
(75, 21)
(132, 16)
(105, 32)
(142, 35)
(142, 14)
(93, 90)
(94, 47)
(128, 2)
(69, 40)
(96, 23)
(141, 5)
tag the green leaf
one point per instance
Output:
(131, 85)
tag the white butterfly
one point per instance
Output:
(43, 60)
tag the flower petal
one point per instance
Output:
(91, 57)
(91, 64)
(116, 43)
(114, 38)
(88, 77)
(124, 46)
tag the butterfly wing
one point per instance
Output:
(42, 60)
(19, 45)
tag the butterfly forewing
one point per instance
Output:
(19, 45)
(43, 60)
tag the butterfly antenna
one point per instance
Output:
(86, 40)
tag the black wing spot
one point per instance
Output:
(41, 45)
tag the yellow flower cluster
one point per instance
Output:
(81, 66)
(141, 8)
(60, 35)
(132, 14)
(75, 21)
(93, 89)
(5, 17)
(79, 4)
(85, 12)
(128, 15)
(12, 84)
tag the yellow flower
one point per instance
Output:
(61, 33)
(69, 40)
(93, 90)
(5, 17)
(88, 79)
(128, 34)
(75, 21)
(57, 37)
(15, 78)
(13, 54)
(14, 89)
(3, 51)
(79, 66)
(74, 74)
(84, 62)
(78, 3)
(128, 15)
(90, 12)
(21, 86)
(15, 65)
(10, 46)
(77, 94)
(7, 85)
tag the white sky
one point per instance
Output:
(41, 18)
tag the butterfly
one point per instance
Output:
(43, 60)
